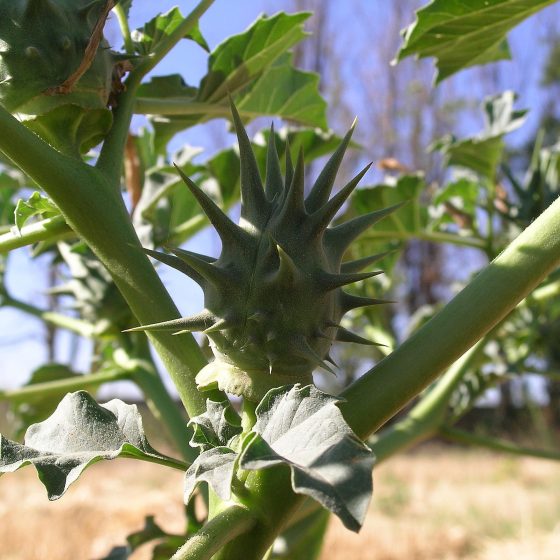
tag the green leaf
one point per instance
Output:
(146, 39)
(216, 427)
(407, 221)
(539, 187)
(150, 532)
(463, 194)
(482, 153)
(244, 66)
(35, 205)
(286, 91)
(78, 434)
(216, 467)
(303, 428)
(463, 34)
(72, 129)
(240, 58)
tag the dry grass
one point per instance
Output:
(434, 504)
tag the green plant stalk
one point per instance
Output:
(165, 461)
(78, 326)
(228, 524)
(50, 229)
(491, 295)
(432, 236)
(427, 416)
(461, 436)
(385, 389)
(96, 211)
(42, 390)
(125, 29)
(179, 106)
(248, 416)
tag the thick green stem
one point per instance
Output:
(50, 229)
(493, 293)
(97, 213)
(273, 501)
(221, 529)
(61, 386)
(427, 416)
(461, 436)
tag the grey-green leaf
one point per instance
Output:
(303, 428)
(79, 433)
(463, 34)
(216, 467)
(215, 427)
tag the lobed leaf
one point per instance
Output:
(303, 428)
(216, 427)
(78, 434)
(214, 466)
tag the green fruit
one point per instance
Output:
(42, 46)
(274, 298)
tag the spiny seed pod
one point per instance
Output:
(274, 298)
(52, 55)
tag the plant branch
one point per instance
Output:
(43, 390)
(431, 236)
(428, 415)
(50, 229)
(468, 438)
(221, 529)
(124, 27)
(493, 293)
(181, 106)
(163, 460)
(78, 326)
